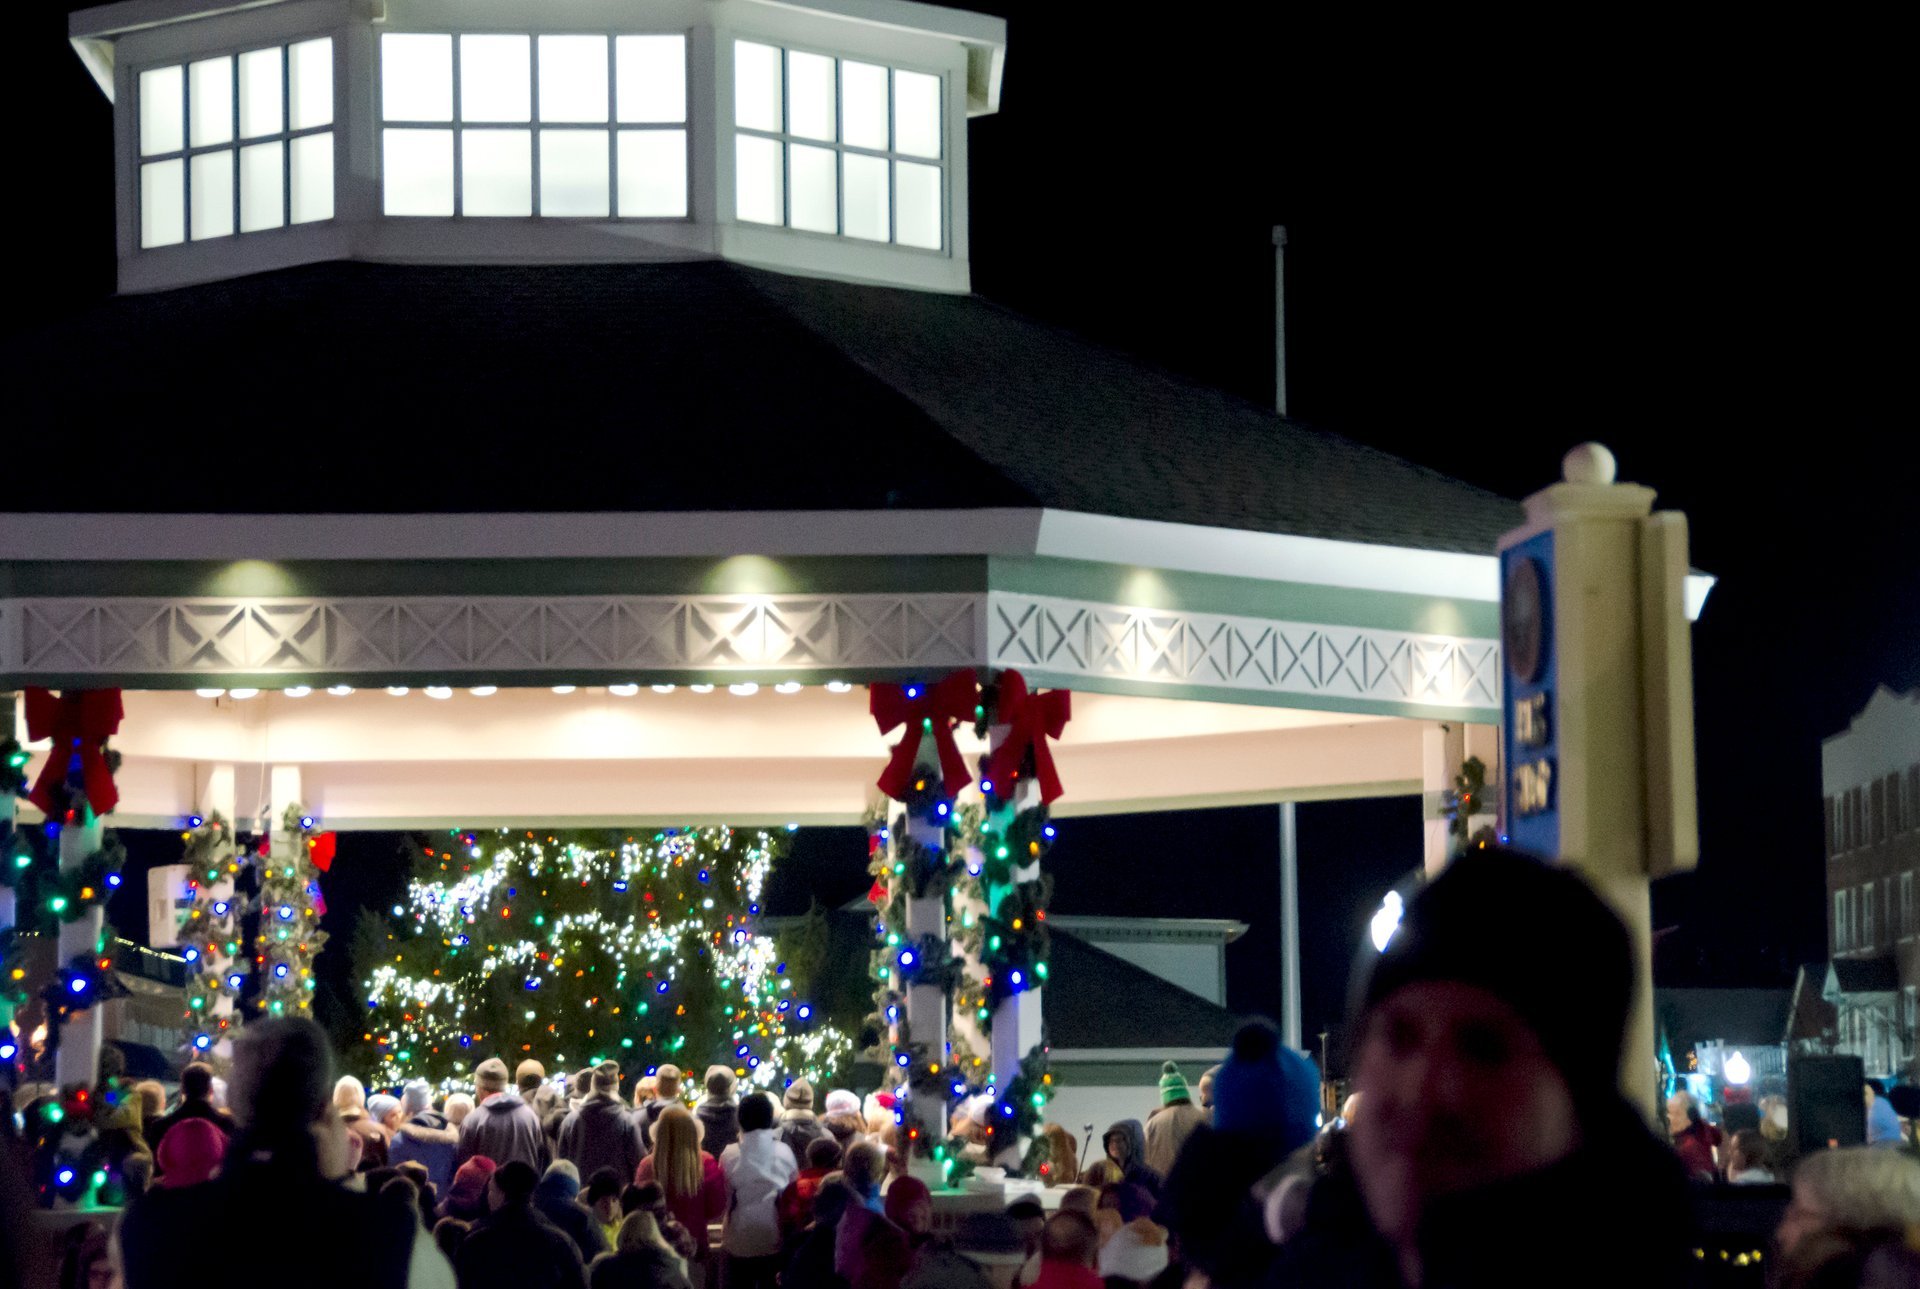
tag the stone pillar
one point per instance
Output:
(77, 1063)
(1598, 700)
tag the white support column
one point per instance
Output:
(1443, 750)
(78, 1061)
(1289, 926)
(9, 816)
(1016, 1027)
(925, 1006)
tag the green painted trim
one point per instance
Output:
(1144, 1075)
(1067, 807)
(1133, 587)
(732, 575)
(1259, 697)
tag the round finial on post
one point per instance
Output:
(1588, 463)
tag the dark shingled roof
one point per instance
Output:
(1743, 1017)
(1867, 975)
(353, 387)
(1095, 999)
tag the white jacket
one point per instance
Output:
(758, 1168)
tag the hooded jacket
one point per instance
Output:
(503, 1128)
(719, 1124)
(553, 1199)
(1136, 1170)
(1516, 1231)
(643, 1268)
(601, 1134)
(758, 1168)
(797, 1127)
(431, 1141)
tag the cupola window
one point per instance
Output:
(838, 146)
(586, 126)
(242, 142)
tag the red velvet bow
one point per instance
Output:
(78, 721)
(953, 699)
(320, 849)
(1035, 718)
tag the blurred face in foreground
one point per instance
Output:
(1459, 1094)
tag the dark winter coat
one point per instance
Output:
(503, 1128)
(352, 1238)
(720, 1122)
(516, 1248)
(431, 1141)
(1615, 1212)
(553, 1199)
(186, 1110)
(796, 1128)
(602, 1134)
(643, 1268)
(811, 1266)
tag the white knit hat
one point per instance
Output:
(1137, 1251)
(841, 1101)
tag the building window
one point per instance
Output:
(562, 126)
(239, 142)
(1839, 920)
(837, 146)
(1907, 927)
(1863, 911)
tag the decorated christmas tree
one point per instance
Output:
(585, 947)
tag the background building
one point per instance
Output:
(1870, 776)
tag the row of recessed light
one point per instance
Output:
(743, 688)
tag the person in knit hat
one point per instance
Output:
(1495, 1145)
(466, 1198)
(718, 1112)
(189, 1153)
(798, 1125)
(1169, 1127)
(1265, 1089)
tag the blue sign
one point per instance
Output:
(1529, 727)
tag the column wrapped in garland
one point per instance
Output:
(291, 907)
(210, 940)
(915, 866)
(16, 859)
(1008, 938)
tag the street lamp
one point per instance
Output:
(1386, 921)
(1738, 1070)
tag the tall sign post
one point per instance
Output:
(1597, 705)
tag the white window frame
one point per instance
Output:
(234, 145)
(841, 149)
(1864, 912)
(613, 127)
(1839, 920)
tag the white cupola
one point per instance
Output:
(826, 138)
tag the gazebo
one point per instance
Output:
(621, 414)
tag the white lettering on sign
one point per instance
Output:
(1531, 724)
(1533, 787)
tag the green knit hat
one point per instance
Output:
(1173, 1085)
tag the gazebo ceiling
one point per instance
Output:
(372, 759)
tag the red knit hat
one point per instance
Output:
(189, 1153)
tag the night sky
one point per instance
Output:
(1679, 237)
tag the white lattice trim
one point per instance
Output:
(1077, 638)
(208, 636)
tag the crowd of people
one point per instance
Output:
(1487, 1144)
